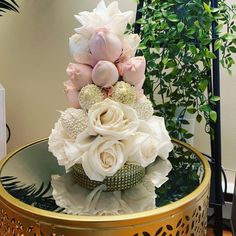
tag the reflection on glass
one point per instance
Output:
(27, 174)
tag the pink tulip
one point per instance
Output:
(80, 75)
(105, 74)
(105, 45)
(133, 71)
(72, 94)
(85, 58)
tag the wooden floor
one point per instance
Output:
(210, 232)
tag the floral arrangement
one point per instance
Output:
(110, 121)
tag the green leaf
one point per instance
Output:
(215, 10)
(181, 45)
(172, 18)
(142, 47)
(191, 110)
(171, 64)
(180, 26)
(199, 118)
(205, 108)
(184, 122)
(215, 98)
(207, 8)
(213, 115)
(218, 43)
(203, 85)
(188, 136)
(141, 21)
(210, 54)
(232, 49)
(165, 60)
(193, 49)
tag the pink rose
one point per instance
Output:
(105, 45)
(105, 74)
(80, 75)
(133, 71)
(72, 94)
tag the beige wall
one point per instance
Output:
(34, 55)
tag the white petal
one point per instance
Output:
(164, 149)
(118, 23)
(101, 8)
(113, 8)
(78, 44)
(84, 140)
(73, 154)
(89, 170)
(85, 31)
(157, 172)
(84, 17)
(130, 44)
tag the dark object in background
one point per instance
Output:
(233, 213)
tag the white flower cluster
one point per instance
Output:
(111, 122)
(114, 136)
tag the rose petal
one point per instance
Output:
(104, 158)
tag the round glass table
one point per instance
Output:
(28, 208)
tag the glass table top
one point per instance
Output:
(26, 175)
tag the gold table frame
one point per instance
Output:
(187, 216)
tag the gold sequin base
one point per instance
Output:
(125, 178)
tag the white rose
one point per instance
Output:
(104, 157)
(63, 147)
(146, 149)
(110, 118)
(155, 126)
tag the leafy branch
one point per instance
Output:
(30, 194)
(179, 46)
(8, 6)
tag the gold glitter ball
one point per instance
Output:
(143, 108)
(74, 121)
(89, 95)
(124, 93)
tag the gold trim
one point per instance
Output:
(95, 222)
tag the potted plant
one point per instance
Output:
(178, 46)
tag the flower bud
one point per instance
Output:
(105, 45)
(105, 74)
(133, 71)
(72, 94)
(80, 75)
